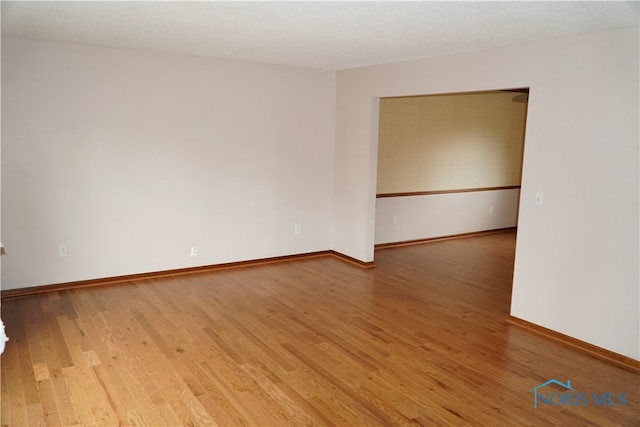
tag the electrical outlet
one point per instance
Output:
(62, 251)
(539, 200)
(394, 219)
(194, 252)
(297, 229)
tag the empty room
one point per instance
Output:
(320, 213)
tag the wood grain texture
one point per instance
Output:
(452, 191)
(419, 340)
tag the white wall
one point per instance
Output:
(437, 215)
(131, 158)
(577, 257)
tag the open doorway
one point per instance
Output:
(449, 164)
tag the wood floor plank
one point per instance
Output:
(216, 403)
(168, 415)
(197, 414)
(78, 396)
(30, 387)
(17, 406)
(65, 405)
(35, 417)
(51, 412)
(419, 340)
(227, 397)
(270, 385)
(129, 379)
(373, 412)
(241, 391)
(5, 412)
(85, 383)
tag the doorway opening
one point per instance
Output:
(449, 164)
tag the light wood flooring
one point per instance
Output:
(420, 339)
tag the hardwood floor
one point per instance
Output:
(419, 340)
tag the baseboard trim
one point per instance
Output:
(452, 191)
(351, 260)
(441, 238)
(592, 350)
(21, 292)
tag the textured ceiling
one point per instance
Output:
(331, 35)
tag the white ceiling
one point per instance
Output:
(330, 35)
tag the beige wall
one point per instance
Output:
(131, 158)
(577, 258)
(450, 142)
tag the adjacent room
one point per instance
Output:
(320, 213)
(449, 165)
